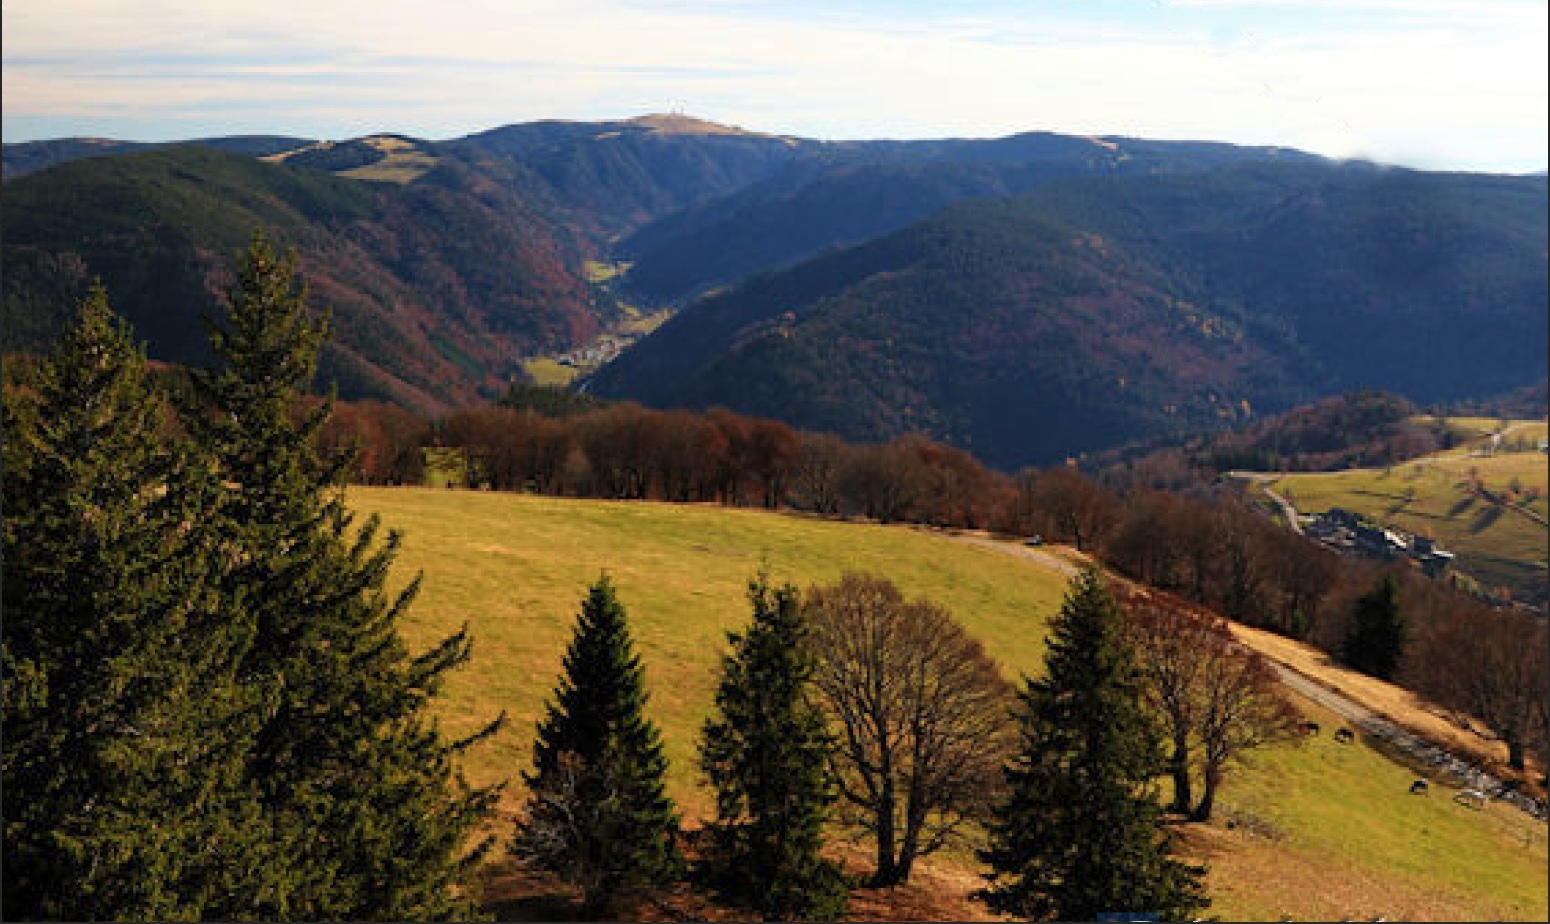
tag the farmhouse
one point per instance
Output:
(1345, 531)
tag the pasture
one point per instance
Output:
(516, 567)
(1317, 833)
(1501, 545)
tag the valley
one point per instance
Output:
(676, 355)
(1027, 298)
(1313, 831)
(1487, 504)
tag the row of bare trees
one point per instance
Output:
(626, 451)
(1217, 550)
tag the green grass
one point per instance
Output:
(1427, 497)
(516, 568)
(544, 370)
(444, 467)
(597, 271)
(1348, 839)
(1475, 432)
(642, 324)
(402, 163)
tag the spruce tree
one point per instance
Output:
(599, 815)
(363, 812)
(1079, 832)
(1376, 638)
(766, 753)
(122, 755)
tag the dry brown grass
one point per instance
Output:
(1400, 706)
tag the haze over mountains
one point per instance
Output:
(1027, 298)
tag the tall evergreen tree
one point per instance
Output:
(364, 814)
(1079, 834)
(1376, 637)
(599, 815)
(766, 753)
(122, 796)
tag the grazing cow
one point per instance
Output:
(1418, 788)
(1344, 735)
(1311, 729)
(1473, 798)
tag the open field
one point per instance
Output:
(1320, 831)
(402, 163)
(1475, 432)
(516, 568)
(1327, 832)
(548, 371)
(1432, 497)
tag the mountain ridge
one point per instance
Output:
(447, 263)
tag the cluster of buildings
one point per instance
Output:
(1345, 531)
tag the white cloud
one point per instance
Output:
(1435, 81)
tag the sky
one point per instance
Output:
(1433, 84)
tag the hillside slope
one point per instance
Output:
(1092, 312)
(435, 287)
(1320, 831)
(844, 192)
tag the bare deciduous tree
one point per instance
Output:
(1491, 665)
(1073, 507)
(1218, 699)
(816, 474)
(921, 711)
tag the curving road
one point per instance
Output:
(1372, 725)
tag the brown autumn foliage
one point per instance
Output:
(1492, 665)
(921, 712)
(1207, 546)
(1218, 700)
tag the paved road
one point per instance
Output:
(1448, 767)
(1264, 480)
(1372, 725)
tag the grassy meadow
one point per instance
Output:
(1429, 497)
(516, 567)
(402, 163)
(1320, 831)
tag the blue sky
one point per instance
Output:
(1440, 84)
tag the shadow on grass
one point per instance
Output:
(1463, 504)
(1485, 519)
(514, 893)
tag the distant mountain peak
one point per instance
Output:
(676, 123)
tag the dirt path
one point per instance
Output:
(1060, 559)
(1384, 714)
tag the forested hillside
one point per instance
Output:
(1136, 289)
(1093, 312)
(851, 191)
(433, 287)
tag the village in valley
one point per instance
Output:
(1352, 533)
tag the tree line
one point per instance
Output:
(850, 707)
(1208, 544)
